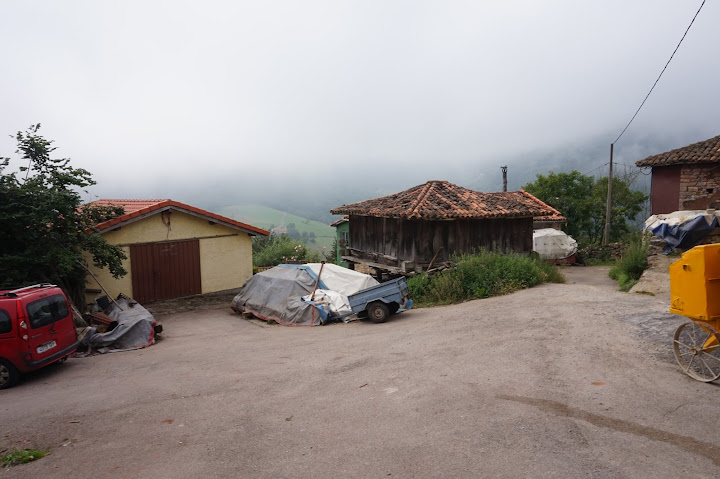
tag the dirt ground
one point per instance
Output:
(561, 380)
(656, 278)
(192, 303)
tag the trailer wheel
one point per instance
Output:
(697, 349)
(378, 312)
(8, 374)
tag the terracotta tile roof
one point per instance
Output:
(340, 221)
(441, 200)
(136, 209)
(130, 206)
(555, 214)
(707, 151)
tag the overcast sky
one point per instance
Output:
(149, 93)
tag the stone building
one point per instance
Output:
(686, 178)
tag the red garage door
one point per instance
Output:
(165, 270)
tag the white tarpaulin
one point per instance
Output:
(342, 280)
(337, 303)
(550, 243)
(679, 217)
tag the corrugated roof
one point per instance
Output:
(135, 209)
(707, 151)
(441, 200)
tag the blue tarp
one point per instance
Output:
(684, 234)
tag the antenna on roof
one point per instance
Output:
(504, 171)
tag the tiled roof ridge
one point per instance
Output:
(705, 151)
(443, 200)
(131, 200)
(537, 200)
(169, 203)
(555, 216)
(424, 193)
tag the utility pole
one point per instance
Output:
(606, 236)
(504, 171)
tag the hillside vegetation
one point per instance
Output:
(482, 275)
(313, 233)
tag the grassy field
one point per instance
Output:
(265, 217)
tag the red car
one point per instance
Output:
(36, 329)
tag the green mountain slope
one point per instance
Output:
(266, 218)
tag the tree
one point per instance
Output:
(292, 231)
(569, 193)
(277, 249)
(582, 200)
(626, 204)
(44, 228)
(331, 254)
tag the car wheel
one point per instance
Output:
(8, 374)
(378, 312)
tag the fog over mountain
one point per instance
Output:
(313, 194)
(304, 106)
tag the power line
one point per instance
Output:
(661, 73)
(595, 169)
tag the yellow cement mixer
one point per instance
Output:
(695, 293)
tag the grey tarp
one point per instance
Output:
(276, 294)
(134, 329)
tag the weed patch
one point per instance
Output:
(633, 262)
(22, 456)
(481, 275)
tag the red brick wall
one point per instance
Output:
(699, 186)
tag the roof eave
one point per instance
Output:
(169, 206)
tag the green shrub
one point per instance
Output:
(22, 456)
(277, 249)
(628, 270)
(481, 275)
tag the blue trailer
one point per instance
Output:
(380, 301)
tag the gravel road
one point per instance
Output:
(562, 380)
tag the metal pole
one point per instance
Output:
(606, 236)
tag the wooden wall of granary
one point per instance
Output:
(394, 239)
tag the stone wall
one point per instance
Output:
(699, 186)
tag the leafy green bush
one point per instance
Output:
(481, 275)
(628, 270)
(277, 249)
(45, 226)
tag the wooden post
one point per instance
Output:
(432, 262)
(100, 284)
(317, 281)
